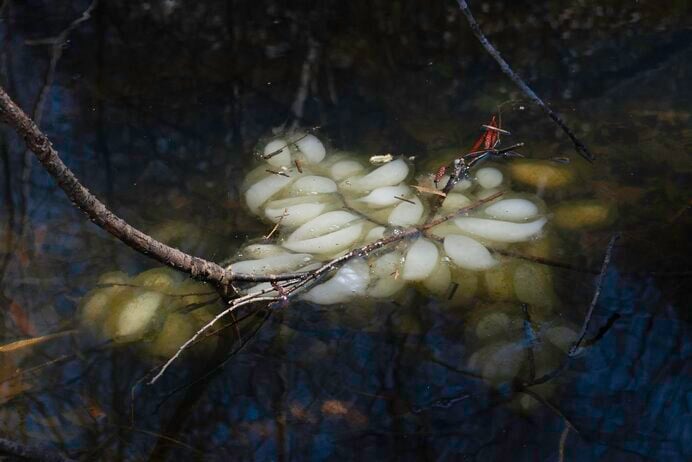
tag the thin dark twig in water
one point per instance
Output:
(563, 440)
(597, 293)
(581, 149)
(403, 199)
(549, 405)
(222, 363)
(499, 151)
(543, 261)
(587, 319)
(530, 338)
(603, 330)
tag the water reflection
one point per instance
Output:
(164, 102)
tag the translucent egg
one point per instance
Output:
(489, 177)
(468, 253)
(344, 169)
(406, 213)
(421, 258)
(389, 174)
(350, 281)
(313, 184)
(500, 231)
(264, 189)
(328, 243)
(328, 222)
(280, 153)
(386, 196)
(512, 209)
(312, 148)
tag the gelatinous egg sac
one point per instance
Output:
(327, 203)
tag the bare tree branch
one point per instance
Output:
(580, 147)
(596, 294)
(41, 146)
(571, 353)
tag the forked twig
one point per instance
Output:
(596, 294)
(571, 353)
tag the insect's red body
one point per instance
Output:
(486, 143)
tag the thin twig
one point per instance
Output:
(563, 440)
(219, 366)
(278, 223)
(549, 405)
(234, 305)
(581, 149)
(403, 199)
(587, 319)
(530, 339)
(542, 261)
(597, 293)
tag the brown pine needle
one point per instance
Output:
(278, 223)
(28, 342)
(427, 190)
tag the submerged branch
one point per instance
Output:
(596, 295)
(571, 353)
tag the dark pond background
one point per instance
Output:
(157, 106)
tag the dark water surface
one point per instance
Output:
(157, 106)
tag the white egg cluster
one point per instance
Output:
(326, 205)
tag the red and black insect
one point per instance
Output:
(485, 145)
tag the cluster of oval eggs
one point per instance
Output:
(326, 205)
(159, 309)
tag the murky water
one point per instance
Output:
(157, 106)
